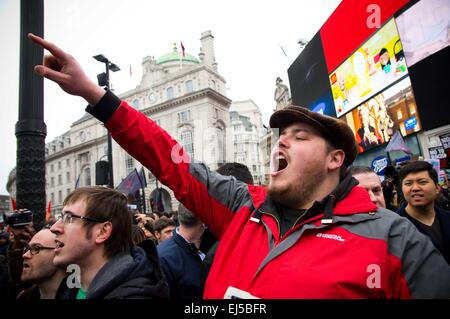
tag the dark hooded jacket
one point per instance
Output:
(129, 276)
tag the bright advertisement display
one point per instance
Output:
(424, 29)
(378, 63)
(375, 121)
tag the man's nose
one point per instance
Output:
(283, 141)
(57, 227)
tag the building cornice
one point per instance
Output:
(182, 100)
(76, 148)
(173, 77)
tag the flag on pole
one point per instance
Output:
(77, 183)
(130, 184)
(182, 48)
(397, 144)
(142, 178)
(48, 214)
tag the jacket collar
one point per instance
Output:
(347, 199)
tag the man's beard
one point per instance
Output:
(299, 193)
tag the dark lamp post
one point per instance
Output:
(103, 80)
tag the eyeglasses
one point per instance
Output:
(67, 218)
(35, 249)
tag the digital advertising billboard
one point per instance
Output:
(378, 63)
(424, 29)
(375, 121)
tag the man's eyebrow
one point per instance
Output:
(296, 130)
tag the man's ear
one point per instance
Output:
(335, 159)
(103, 232)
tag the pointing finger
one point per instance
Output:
(52, 48)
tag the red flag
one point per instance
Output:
(49, 209)
(182, 48)
(13, 204)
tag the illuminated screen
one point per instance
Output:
(424, 29)
(378, 63)
(323, 105)
(376, 121)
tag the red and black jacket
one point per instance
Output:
(364, 252)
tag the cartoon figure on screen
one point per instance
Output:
(360, 69)
(385, 60)
(366, 136)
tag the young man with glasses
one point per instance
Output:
(38, 268)
(94, 233)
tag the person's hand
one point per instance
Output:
(142, 218)
(22, 236)
(63, 69)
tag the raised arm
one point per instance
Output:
(63, 69)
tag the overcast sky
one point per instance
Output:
(248, 39)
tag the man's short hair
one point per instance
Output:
(356, 170)
(106, 204)
(238, 170)
(186, 217)
(162, 223)
(416, 167)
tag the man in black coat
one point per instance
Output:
(420, 188)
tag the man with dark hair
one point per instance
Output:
(420, 187)
(181, 257)
(309, 234)
(371, 182)
(94, 233)
(238, 170)
(164, 227)
(38, 268)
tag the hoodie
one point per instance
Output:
(129, 276)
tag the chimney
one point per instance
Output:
(207, 49)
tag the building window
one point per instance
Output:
(254, 168)
(399, 114)
(52, 182)
(52, 168)
(67, 163)
(67, 177)
(221, 144)
(187, 142)
(129, 163)
(67, 192)
(170, 93)
(189, 86)
(59, 179)
(52, 197)
(184, 116)
(136, 103)
(59, 197)
(87, 176)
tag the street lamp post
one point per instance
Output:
(30, 127)
(103, 80)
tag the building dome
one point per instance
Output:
(175, 56)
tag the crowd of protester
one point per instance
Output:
(317, 230)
